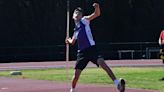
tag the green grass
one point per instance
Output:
(145, 78)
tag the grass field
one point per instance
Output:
(145, 78)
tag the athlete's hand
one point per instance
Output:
(67, 40)
(96, 5)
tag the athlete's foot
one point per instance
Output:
(121, 85)
(72, 90)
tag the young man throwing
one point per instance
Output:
(87, 47)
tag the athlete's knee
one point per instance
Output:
(103, 64)
(100, 61)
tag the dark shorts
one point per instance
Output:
(162, 47)
(83, 57)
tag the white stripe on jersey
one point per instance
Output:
(88, 30)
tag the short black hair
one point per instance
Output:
(79, 9)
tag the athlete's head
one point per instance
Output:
(78, 14)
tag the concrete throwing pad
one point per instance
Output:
(27, 85)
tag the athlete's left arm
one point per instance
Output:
(95, 14)
(73, 39)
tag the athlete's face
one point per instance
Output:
(77, 15)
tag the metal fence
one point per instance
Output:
(131, 50)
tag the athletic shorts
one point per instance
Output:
(162, 46)
(83, 57)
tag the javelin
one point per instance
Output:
(67, 36)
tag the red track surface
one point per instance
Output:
(60, 64)
(26, 85)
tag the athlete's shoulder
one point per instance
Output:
(85, 20)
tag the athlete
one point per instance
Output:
(87, 47)
(161, 43)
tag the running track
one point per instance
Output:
(60, 64)
(26, 85)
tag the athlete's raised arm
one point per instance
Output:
(96, 12)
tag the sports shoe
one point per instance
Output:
(72, 90)
(121, 85)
